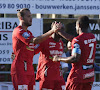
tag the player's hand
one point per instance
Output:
(13, 56)
(56, 26)
(62, 28)
(55, 58)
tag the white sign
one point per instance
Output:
(96, 86)
(52, 6)
(6, 27)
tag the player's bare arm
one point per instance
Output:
(65, 35)
(76, 53)
(56, 27)
(72, 59)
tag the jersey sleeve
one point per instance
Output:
(76, 47)
(38, 48)
(25, 37)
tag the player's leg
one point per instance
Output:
(31, 85)
(46, 85)
(14, 81)
(59, 85)
(19, 82)
(87, 86)
(74, 86)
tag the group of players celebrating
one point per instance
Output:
(50, 46)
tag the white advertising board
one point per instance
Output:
(96, 86)
(52, 6)
(6, 27)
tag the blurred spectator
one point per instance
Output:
(96, 67)
(64, 67)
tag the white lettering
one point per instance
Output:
(97, 36)
(89, 60)
(52, 43)
(97, 27)
(94, 26)
(89, 41)
(91, 26)
(56, 52)
(88, 75)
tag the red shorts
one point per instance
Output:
(23, 80)
(78, 86)
(52, 84)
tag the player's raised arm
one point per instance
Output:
(66, 35)
(56, 27)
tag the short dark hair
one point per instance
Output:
(83, 21)
(21, 12)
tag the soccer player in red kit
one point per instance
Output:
(22, 71)
(81, 75)
(49, 73)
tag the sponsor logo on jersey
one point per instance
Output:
(30, 47)
(88, 75)
(25, 35)
(52, 44)
(56, 52)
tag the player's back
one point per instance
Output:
(87, 43)
(83, 69)
(88, 48)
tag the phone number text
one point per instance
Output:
(13, 6)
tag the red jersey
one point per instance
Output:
(83, 70)
(24, 51)
(47, 69)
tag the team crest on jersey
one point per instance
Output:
(25, 35)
